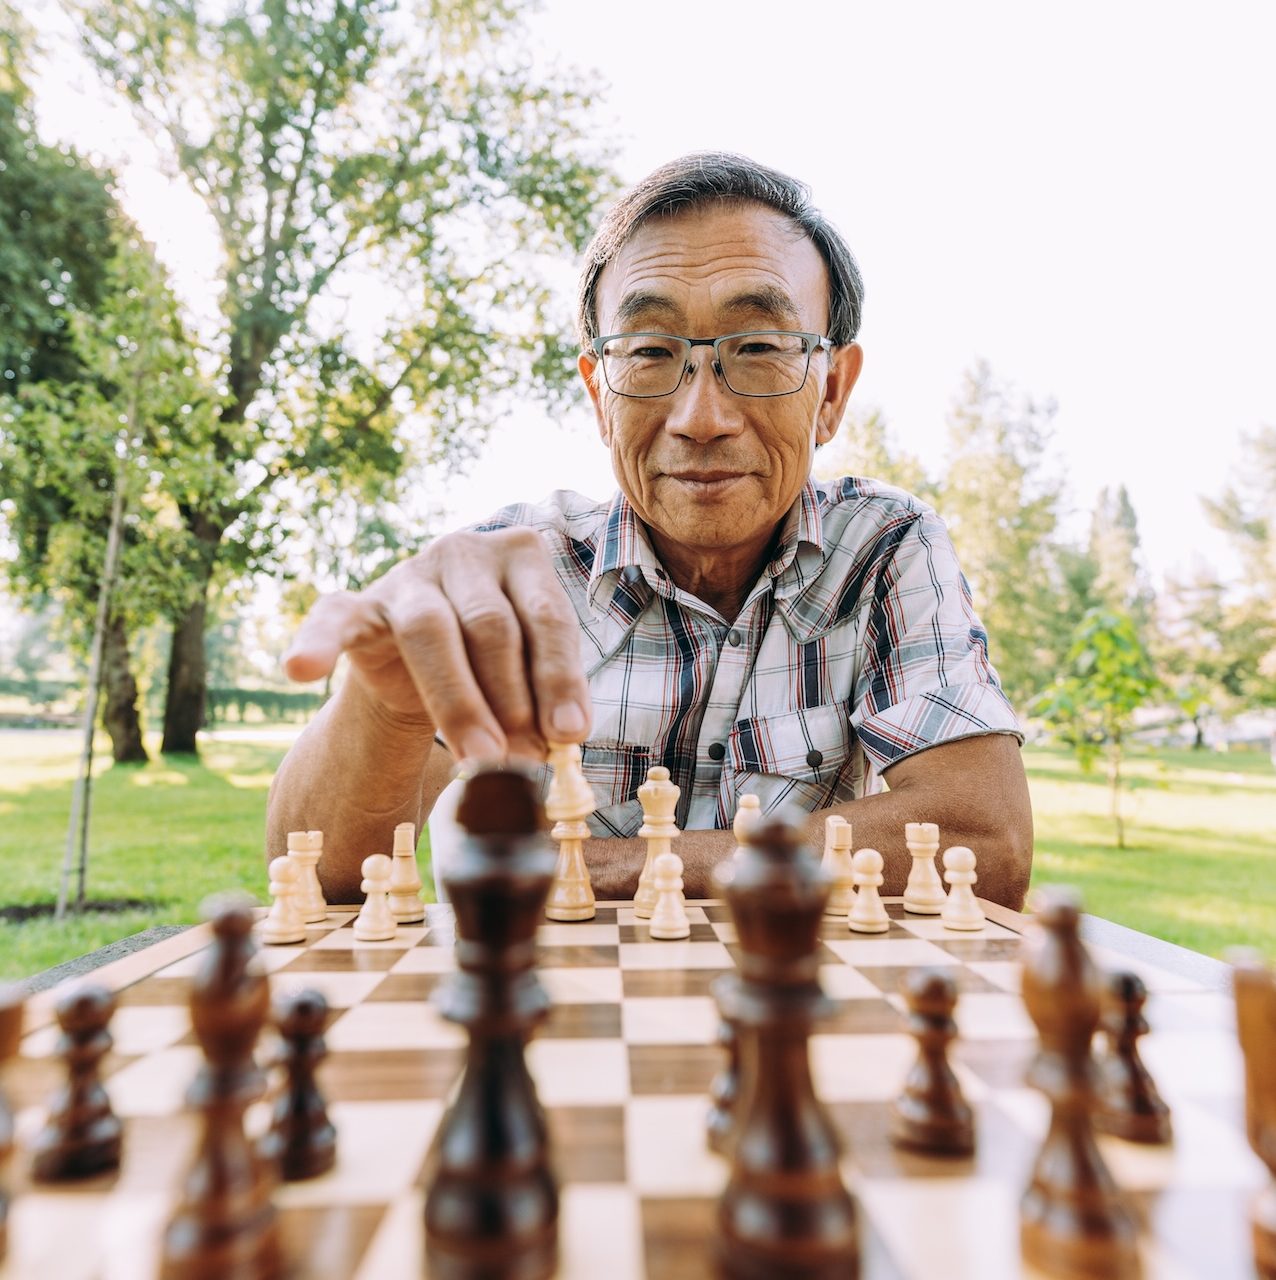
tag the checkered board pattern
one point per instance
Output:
(623, 1065)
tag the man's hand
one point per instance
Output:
(473, 637)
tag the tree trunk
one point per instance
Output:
(1114, 773)
(187, 678)
(120, 714)
(1198, 743)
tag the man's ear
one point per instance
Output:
(591, 375)
(845, 364)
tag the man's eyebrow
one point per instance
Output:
(768, 300)
(641, 303)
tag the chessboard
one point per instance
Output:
(623, 1065)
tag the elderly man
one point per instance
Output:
(721, 615)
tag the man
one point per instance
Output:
(721, 615)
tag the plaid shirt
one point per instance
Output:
(857, 646)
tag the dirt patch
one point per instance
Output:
(94, 906)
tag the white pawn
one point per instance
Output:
(375, 922)
(669, 918)
(961, 911)
(867, 914)
(748, 817)
(405, 881)
(837, 864)
(284, 923)
(305, 848)
(924, 893)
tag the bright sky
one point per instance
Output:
(1082, 194)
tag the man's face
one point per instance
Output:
(706, 469)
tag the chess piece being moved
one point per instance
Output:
(931, 1114)
(669, 916)
(82, 1135)
(1256, 1028)
(924, 893)
(301, 1138)
(491, 1203)
(659, 799)
(375, 921)
(748, 816)
(569, 802)
(867, 913)
(785, 1211)
(305, 848)
(837, 863)
(405, 880)
(961, 909)
(1130, 1105)
(225, 1224)
(284, 924)
(1074, 1223)
(10, 1038)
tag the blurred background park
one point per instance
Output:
(286, 290)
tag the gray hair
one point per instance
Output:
(710, 177)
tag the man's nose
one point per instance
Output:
(702, 408)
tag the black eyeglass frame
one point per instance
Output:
(816, 341)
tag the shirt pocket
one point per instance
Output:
(615, 771)
(802, 757)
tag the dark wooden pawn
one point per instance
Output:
(724, 1090)
(1074, 1223)
(301, 1137)
(1129, 1105)
(10, 1038)
(931, 1114)
(82, 1135)
(225, 1227)
(491, 1205)
(1256, 1029)
(785, 1211)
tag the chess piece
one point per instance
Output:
(659, 799)
(837, 862)
(931, 1114)
(961, 909)
(491, 1204)
(867, 914)
(225, 1224)
(785, 1211)
(748, 816)
(924, 893)
(405, 880)
(10, 1038)
(301, 1139)
(82, 1135)
(1129, 1104)
(569, 802)
(305, 848)
(1255, 987)
(375, 922)
(724, 1089)
(1074, 1224)
(284, 923)
(669, 917)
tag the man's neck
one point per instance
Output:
(722, 578)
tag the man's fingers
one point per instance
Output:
(337, 622)
(553, 657)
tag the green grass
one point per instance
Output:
(1199, 869)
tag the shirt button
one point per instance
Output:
(733, 636)
(717, 751)
(814, 758)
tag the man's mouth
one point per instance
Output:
(705, 481)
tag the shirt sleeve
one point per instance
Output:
(925, 677)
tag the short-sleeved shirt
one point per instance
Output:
(857, 646)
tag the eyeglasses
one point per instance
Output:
(764, 362)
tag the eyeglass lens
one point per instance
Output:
(753, 364)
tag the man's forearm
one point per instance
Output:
(352, 774)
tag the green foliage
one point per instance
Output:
(865, 446)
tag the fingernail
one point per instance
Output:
(568, 719)
(479, 746)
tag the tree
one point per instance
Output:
(332, 145)
(865, 446)
(1108, 677)
(1121, 581)
(1001, 499)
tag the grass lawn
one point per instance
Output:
(1200, 868)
